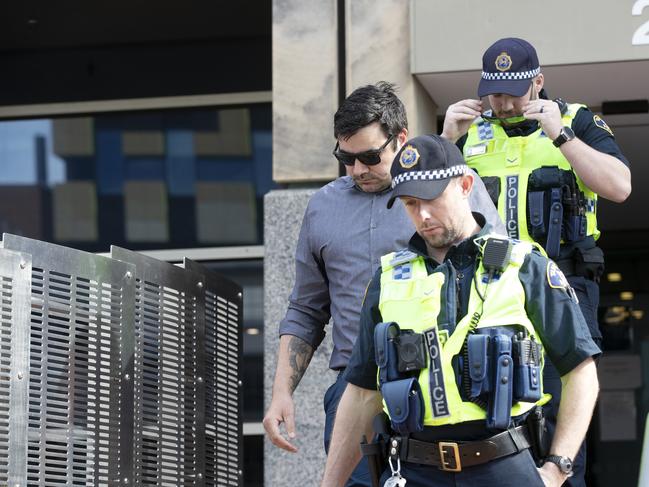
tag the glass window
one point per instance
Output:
(249, 274)
(142, 180)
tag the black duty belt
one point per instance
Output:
(454, 456)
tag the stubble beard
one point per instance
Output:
(377, 183)
(443, 241)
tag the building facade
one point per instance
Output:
(595, 53)
(202, 129)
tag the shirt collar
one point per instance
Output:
(522, 130)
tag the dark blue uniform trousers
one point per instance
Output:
(516, 470)
(587, 292)
(361, 476)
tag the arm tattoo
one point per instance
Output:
(299, 356)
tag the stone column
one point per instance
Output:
(282, 219)
(378, 37)
(305, 89)
(305, 97)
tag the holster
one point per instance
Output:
(375, 453)
(538, 433)
(556, 208)
(589, 263)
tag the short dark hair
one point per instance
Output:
(369, 104)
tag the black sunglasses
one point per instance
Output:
(369, 157)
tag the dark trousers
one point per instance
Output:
(360, 476)
(587, 292)
(516, 470)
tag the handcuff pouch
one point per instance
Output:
(405, 404)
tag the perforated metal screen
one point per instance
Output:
(117, 385)
(221, 310)
(15, 270)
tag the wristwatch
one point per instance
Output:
(564, 136)
(564, 463)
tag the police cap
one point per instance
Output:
(424, 166)
(508, 65)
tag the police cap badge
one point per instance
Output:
(503, 62)
(409, 157)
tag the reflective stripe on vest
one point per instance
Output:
(415, 304)
(512, 159)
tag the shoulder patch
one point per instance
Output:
(556, 279)
(599, 121)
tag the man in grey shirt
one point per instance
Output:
(345, 230)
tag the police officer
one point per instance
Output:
(451, 333)
(544, 163)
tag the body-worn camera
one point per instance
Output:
(411, 351)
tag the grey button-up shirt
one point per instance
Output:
(344, 233)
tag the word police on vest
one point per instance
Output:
(437, 389)
(511, 218)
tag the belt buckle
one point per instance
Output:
(454, 449)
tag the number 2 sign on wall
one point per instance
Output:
(641, 35)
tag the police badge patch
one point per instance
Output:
(602, 124)
(503, 62)
(556, 279)
(409, 157)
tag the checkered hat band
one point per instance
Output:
(430, 175)
(511, 75)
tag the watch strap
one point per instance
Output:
(560, 461)
(564, 136)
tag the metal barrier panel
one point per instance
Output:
(79, 416)
(167, 380)
(220, 308)
(116, 371)
(15, 273)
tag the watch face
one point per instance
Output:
(565, 135)
(568, 133)
(565, 464)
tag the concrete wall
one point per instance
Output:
(305, 77)
(378, 46)
(283, 211)
(305, 89)
(450, 35)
